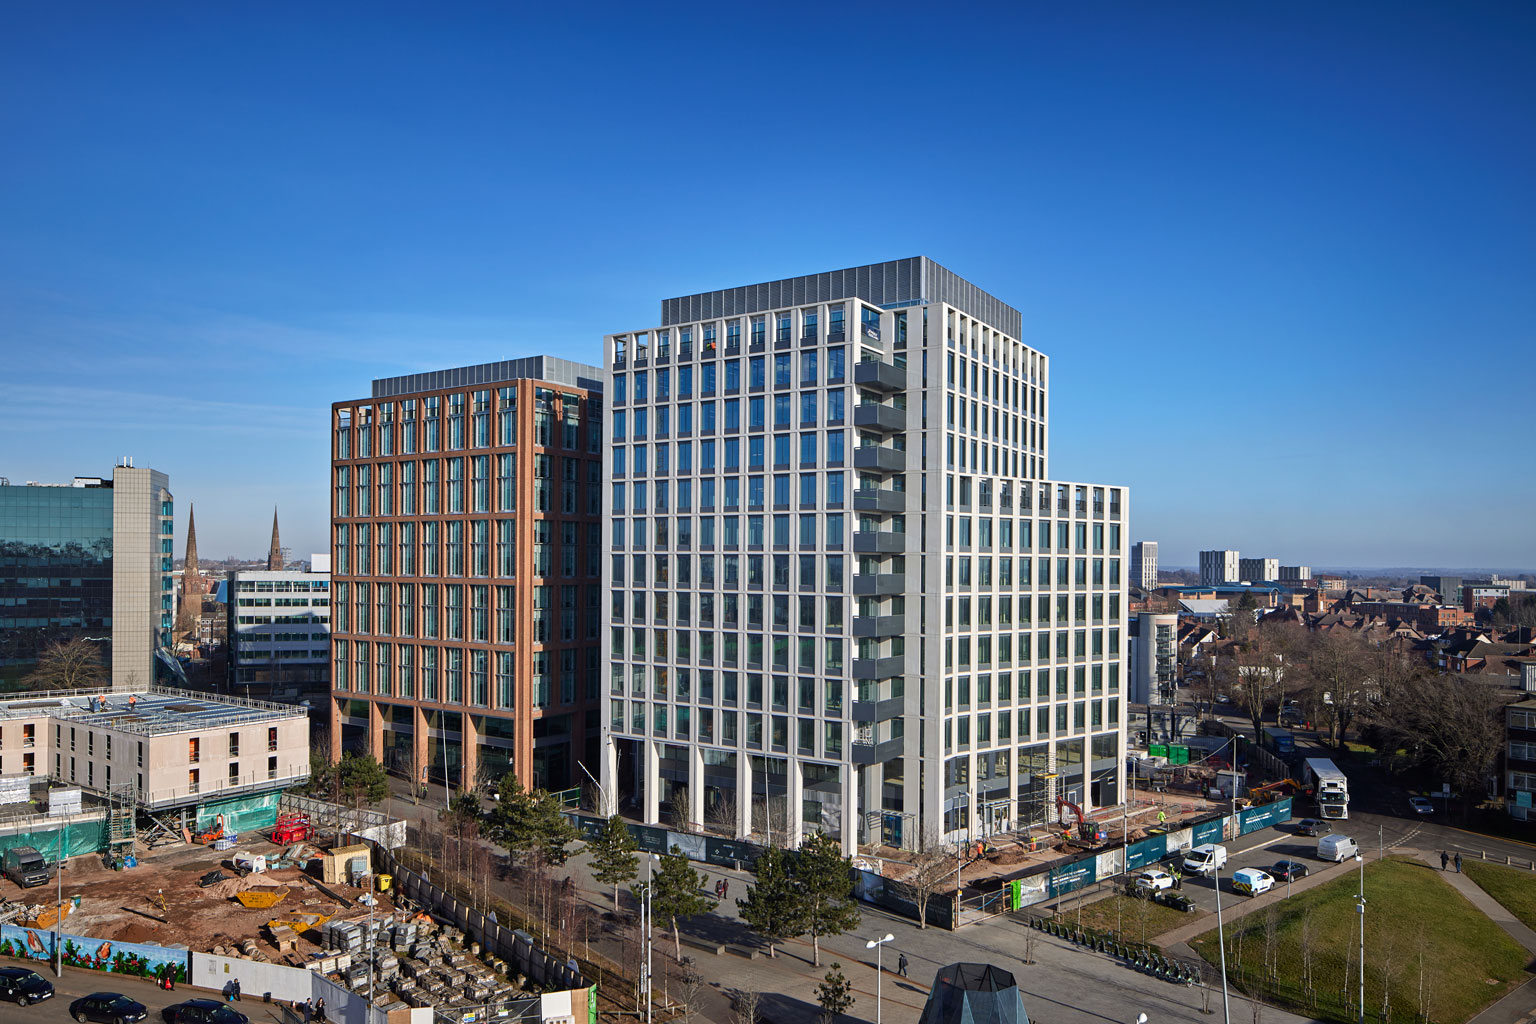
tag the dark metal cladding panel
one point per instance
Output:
(917, 279)
(547, 368)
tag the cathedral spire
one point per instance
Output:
(189, 567)
(189, 606)
(275, 552)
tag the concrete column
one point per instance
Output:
(870, 779)
(335, 730)
(696, 788)
(650, 781)
(608, 774)
(851, 815)
(795, 799)
(376, 730)
(469, 753)
(743, 794)
(419, 745)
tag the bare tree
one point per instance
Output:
(1272, 946)
(747, 1006)
(933, 870)
(1308, 949)
(1450, 724)
(682, 804)
(68, 665)
(721, 815)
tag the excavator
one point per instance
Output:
(1273, 791)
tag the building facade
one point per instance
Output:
(466, 547)
(844, 593)
(1295, 573)
(1219, 567)
(1154, 658)
(1144, 564)
(1258, 570)
(279, 627)
(91, 559)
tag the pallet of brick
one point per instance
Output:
(17, 789)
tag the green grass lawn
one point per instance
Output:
(1128, 918)
(1514, 888)
(1420, 935)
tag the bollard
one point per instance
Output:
(1506, 858)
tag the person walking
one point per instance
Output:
(1458, 863)
(320, 1010)
(1445, 859)
(901, 965)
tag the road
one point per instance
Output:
(1380, 816)
(77, 982)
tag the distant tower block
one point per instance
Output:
(275, 552)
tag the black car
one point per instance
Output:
(1288, 870)
(23, 987)
(1313, 827)
(107, 1008)
(1176, 900)
(203, 1011)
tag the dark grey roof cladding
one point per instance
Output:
(898, 282)
(550, 368)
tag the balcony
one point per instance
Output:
(879, 625)
(879, 542)
(875, 753)
(878, 710)
(879, 457)
(880, 376)
(879, 668)
(880, 417)
(879, 499)
(880, 584)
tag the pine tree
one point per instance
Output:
(825, 883)
(528, 823)
(677, 890)
(613, 855)
(835, 994)
(772, 906)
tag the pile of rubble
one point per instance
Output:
(418, 962)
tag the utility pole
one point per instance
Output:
(1361, 909)
(1221, 942)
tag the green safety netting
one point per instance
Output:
(243, 814)
(80, 838)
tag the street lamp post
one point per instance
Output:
(58, 919)
(1361, 908)
(1221, 942)
(876, 944)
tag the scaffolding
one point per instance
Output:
(122, 822)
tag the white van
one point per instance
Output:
(1336, 848)
(1205, 860)
(1252, 881)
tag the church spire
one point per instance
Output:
(189, 567)
(275, 553)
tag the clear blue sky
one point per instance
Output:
(1283, 256)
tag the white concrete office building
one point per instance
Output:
(1295, 573)
(843, 591)
(1144, 564)
(1258, 570)
(1218, 568)
(280, 625)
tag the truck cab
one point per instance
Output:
(26, 867)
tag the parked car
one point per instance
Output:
(1252, 881)
(1176, 900)
(1313, 827)
(1336, 848)
(1206, 859)
(203, 1011)
(107, 1008)
(1288, 870)
(24, 987)
(1421, 804)
(1153, 880)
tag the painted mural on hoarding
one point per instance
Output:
(140, 959)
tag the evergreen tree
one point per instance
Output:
(613, 855)
(677, 890)
(528, 823)
(824, 879)
(835, 994)
(772, 906)
(361, 780)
